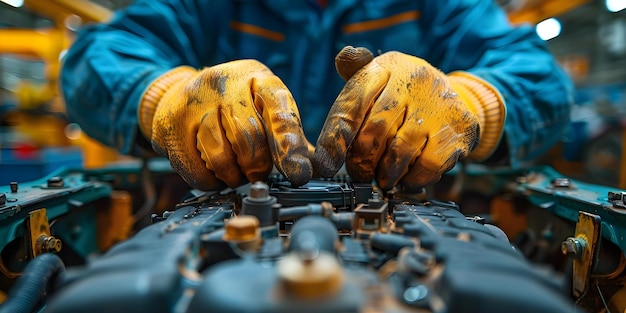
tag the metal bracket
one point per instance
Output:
(39, 239)
(584, 247)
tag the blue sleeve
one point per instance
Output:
(109, 66)
(475, 36)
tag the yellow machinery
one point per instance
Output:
(48, 45)
(535, 11)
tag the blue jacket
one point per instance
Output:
(109, 66)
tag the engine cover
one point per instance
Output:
(346, 253)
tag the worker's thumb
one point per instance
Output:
(350, 59)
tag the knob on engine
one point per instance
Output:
(311, 275)
(244, 231)
(311, 270)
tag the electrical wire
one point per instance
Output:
(602, 298)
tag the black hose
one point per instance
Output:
(30, 288)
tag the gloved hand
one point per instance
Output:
(398, 119)
(225, 124)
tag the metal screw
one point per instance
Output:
(375, 201)
(573, 246)
(617, 196)
(55, 182)
(561, 182)
(415, 293)
(259, 191)
(618, 199)
(13, 185)
(49, 244)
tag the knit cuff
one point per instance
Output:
(489, 107)
(153, 94)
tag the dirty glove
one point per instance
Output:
(226, 124)
(398, 119)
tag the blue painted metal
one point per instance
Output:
(77, 196)
(579, 196)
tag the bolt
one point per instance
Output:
(259, 191)
(242, 228)
(49, 244)
(375, 201)
(55, 182)
(561, 182)
(573, 246)
(415, 293)
(13, 186)
(617, 196)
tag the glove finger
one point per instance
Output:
(402, 152)
(177, 141)
(418, 177)
(216, 149)
(244, 130)
(441, 152)
(350, 59)
(444, 149)
(346, 117)
(287, 143)
(378, 129)
(457, 135)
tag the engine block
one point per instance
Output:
(327, 246)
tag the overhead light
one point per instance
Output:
(548, 29)
(615, 5)
(14, 3)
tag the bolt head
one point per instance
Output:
(259, 190)
(573, 246)
(561, 182)
(242, 228)
(55, 182)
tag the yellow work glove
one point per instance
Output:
(399, 119)
(226, 124)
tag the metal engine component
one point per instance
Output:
(596, 246)
(394, 255)
(51, 215)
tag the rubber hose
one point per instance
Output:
(30, 288)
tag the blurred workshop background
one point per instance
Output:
(587, 36)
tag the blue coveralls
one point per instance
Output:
(110, 65)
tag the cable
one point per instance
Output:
(602, 298)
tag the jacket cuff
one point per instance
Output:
(152, 95)
(489, 106)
